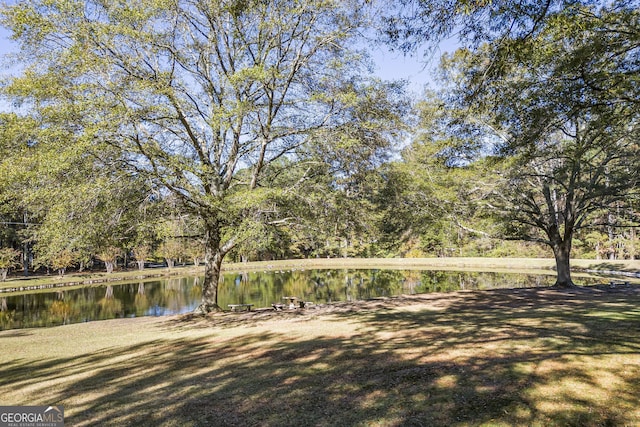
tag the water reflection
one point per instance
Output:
(180, 295)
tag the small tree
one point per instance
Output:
(62, 261)
(171, 250)
(141, 253)
(7, 261)
(109, 256)
(195, 250)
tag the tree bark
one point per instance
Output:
(562, 253)
(213, 256)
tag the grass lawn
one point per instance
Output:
(527, 357)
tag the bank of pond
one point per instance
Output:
(261, 289)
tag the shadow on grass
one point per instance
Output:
(523, 357)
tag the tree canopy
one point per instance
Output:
(202, 99)
(208, 129)
(553, 106)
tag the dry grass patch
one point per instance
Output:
(535, 357)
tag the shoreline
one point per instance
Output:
(625, 268)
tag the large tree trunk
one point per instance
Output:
(213, 256)
(562, 253)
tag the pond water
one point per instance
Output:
(181, 295)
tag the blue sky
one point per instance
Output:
(417, 69)
(6, 45)
(396, 65)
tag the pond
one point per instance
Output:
(181, 295)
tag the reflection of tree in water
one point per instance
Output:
(174, 285)
(141, 301)
(386, 283)
(411, 281)
(110, 306)
(6, 316)
(356, 284)
(196, 289)
(60, 311)
(445, 281)
(296, 283)
(348, 287)
(259, 288)
(322, 286)
(174, 293)
(242, 288)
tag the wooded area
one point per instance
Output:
(252, 130)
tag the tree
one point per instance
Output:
(109, 255)
(62, 261)
(604, 37)
(7, 261)
(14, 212)
(171, 250)
(78, 199)
(412, 24)
(141, 253)
(566, 147)
(429, 202)
(552, 192)
(199, 97)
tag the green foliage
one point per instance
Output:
(201, 129)
(8, 257)
(109, 255)
(533, 136)
(171, 250)
(62, 261)
(7, 261)
(564, 142)
(141, 253)
(414, 24)
(198, 99)
(434, 194)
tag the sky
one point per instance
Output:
(6, 46)
(398, 66)
(418, 69)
